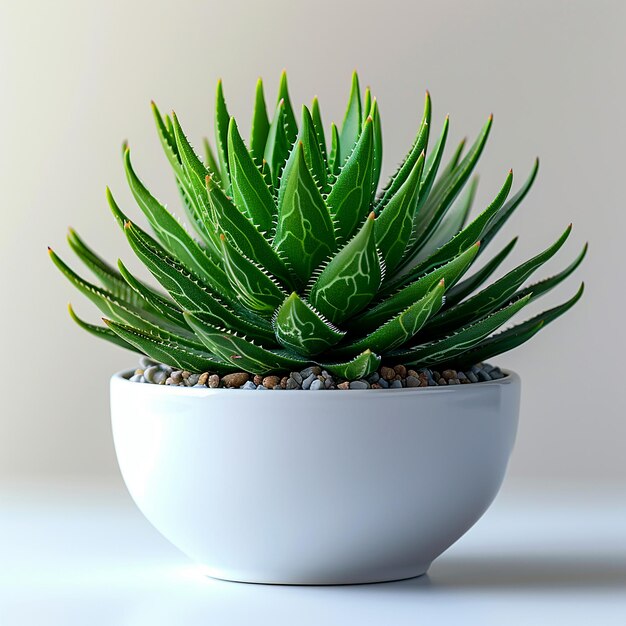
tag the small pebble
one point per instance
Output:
(400, 370)
(387, 373)
(237, 379)
(145, 362)
(374, 377)
(137, 378)
(159, 377)
(214, 381)
(138, 372)
(396, 384)
(276, 387)
(344, 385)
(261, 388)
(149, 372)
(185, 374)
(359, 384)
(257, 380)
(193, 380)
(176, 376)
(496, 373)
(283, 382)
(306, 383)
(292, 384)
(484, 376)
(316, 385)
(203, 378)
(376, 386)
(297, 377)
(249, 385)
(449, 374)
(488, 368)
(383, 383)
(271, 381)
(471, 376)
(412, 381)
(314, 369)
(442, 381)
(328, 383)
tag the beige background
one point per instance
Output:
(77, 78)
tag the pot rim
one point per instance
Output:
(122, 377)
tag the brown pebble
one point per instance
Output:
(387, 373)
(236, 379)
(449, 374)
(400, 370)
(414, 373)
(397, 377)
(169, 381)
(344, 385)
(257, 380)
(270, 381)
(283, 382)
(214, 381)
(138, 372)
(185, 374)
(442, 381)
(203, 378)
(176, 376)
(465, 381)
(375, 386)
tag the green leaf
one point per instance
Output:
(277, 146)
(163, 348)
(351, 127)
(312, 156)
(468, 236)
(383, 311)
(189, 292)
(167, 141)
(401, 328)
(243, 233)
(378, 148)
(495, 295)
(517, 335)
(437, 204)
(168, 230)
(211, 163)
(291, 127)
(462, 290)
(164, 306)
(260, 125)
(304, 233)
(316, 116)
(255, 288)
(507, 210)
(334, 162)
(351, 279)
(395, 222)
(100, 332)
(192, 181)
(453, 346)
(108, 303)
(420, 144)
(222, 119)
(250, 192)
(299, 327)
(545, 285)
(107, 275)
(452, 223)
(367, 105)
(350, 195)
(359, 367)
(241, 352)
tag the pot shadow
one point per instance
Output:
(523, 573)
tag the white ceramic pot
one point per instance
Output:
(314, 487)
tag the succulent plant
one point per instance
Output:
(297, 258)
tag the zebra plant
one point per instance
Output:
(297, 258)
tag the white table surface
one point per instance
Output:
(83, 555)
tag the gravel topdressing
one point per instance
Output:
(314, 378)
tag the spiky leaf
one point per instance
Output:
(401, 328)
(222, 119)
(277, 146)
(304, 234)
(349, 198)
(299, 327)
(250, 192)
(351, 127)
(260, 125)
(359, 367)
(351, 279)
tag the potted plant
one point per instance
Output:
(301, 275)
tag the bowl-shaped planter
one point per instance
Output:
(302, 487)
